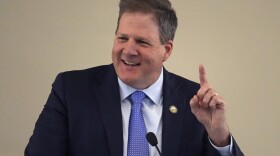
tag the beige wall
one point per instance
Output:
(237, 40)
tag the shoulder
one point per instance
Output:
(180, 84)
(179, 80)
(87, 72)
(90, 75)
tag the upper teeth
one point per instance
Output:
(130, 63)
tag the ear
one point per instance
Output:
(168, 47)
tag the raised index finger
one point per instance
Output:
(202, 75)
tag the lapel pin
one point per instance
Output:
(173, 109)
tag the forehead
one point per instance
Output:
(138, 23)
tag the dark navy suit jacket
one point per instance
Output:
(82, 117)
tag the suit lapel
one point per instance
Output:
(172, 122)
(108, 97)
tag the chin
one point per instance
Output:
(128, 79)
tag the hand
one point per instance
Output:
(209, 109)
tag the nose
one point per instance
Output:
(130, 48)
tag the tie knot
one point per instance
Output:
(137, 96)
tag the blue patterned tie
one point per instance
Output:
(137, 143)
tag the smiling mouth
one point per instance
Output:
(130, 63)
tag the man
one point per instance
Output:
(91, 112)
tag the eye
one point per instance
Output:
(122, 38)
(142, 42)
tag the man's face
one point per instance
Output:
(137, 53)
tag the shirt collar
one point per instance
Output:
(154, 92)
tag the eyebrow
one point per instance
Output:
(136, 37)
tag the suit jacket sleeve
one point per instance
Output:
(50, 133)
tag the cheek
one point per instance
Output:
(115, 51)
(154, 63)
(159, 58)
(117, 48)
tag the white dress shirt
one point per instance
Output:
(152, 114)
